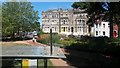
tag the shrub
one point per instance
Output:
(96, 44)
(55, 38)
(71, 36)
(46, 39)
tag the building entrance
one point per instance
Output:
(72, 29)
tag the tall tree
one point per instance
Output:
(17, 16)
(95, 9)
(37, 26)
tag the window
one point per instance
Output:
(66, 20)
(61, 14)
(63, 21)
(83, 20)
(55, 28)
(46, 28)
(45, 15)
(54, 15)
(99, 32)
(87, 16)
(96, 32)
(80, 15)
(84, 16)
(80, 28)
(79, 21)
(103, 25)
(96, 25)
(52, 20)
(83, 25)
(66, 14)
(72, 22)
(64, 29)
(103, 32)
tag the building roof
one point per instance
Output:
(65, 10)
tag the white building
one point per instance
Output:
(101, 29)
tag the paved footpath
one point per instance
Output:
(58, 63)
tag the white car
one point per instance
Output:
(35, 33)
(29, 35)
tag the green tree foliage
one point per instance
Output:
(17, 16)
(36, 25)
(95, 9)
(0, 19)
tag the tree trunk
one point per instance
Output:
(119, 29)
(89, 29)
(111, 24)
(12, 36)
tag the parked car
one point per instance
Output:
(29, 35)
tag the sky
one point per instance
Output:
(44, 6)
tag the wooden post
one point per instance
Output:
(45, 63)
(37, 63)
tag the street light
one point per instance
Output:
(51, 48)
(51, 41)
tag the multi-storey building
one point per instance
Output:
(67, 21)
(101, 29)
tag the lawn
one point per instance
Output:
(13, 44)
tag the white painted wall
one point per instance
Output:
(99, 29)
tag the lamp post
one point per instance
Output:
(51, 41)
(51, 48)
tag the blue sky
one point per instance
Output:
(43, 6)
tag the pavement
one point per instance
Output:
(58, 63)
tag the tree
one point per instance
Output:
(95, 9)
(37, 26)
(17, 16)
